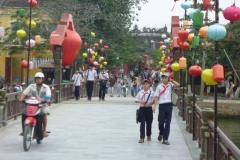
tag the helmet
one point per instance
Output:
(39, 75)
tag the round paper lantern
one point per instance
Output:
(30, 65)
(190, 37)
(203, 31)
(96, 54)
(89, 50)
(218, 73)
(100, 41)
(192, 12)
(85, 44)
(101, 58)
(164, 47)
(182, 62)
(95, 63)
(96, 44)
(38, 39)
(216, 32)
(92, 34)
(90, 61)
(32, 43)
(162, 59)
(21, 33)
(105, 47)
(161, 63)
(232, 13)
(207, 77)
(33, 24)
(163, 69)
(167, 41)
(163, 36)
(195, 70)
(186, 5)
(84, 55)
(24, 63)
(175, 66)
(183, 35)
(105, 63)
(2, 32)
(71, 46)
(171, 75)
(161, 43)
(195, 41)
(102, 49)
(21, 12)
(92, 53)
(101, 66)
(32, 3)
(197, 19)
(93, 57)
(184, 45)
(206, 4)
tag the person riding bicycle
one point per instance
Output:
(39, 90)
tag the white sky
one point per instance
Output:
(157, 13)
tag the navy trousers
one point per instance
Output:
(164, 119)
(102, 91)
(77, 92)
(90, 89)
(147, 119)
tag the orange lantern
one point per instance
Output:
(218, 73)
(203, 31)
(190, 37)
(38, 39)
(182, 62)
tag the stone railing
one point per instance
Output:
(200, 124)
(10, 108)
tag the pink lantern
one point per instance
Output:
(32, 3)
(96, 44)
(32, 43)
(106, 47)
(24, 63)
(30, 65)
(232, 13)
(206, 4)
(2, 32)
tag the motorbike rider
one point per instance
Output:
(39, 90)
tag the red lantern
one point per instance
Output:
(195, 70)
(106, 47)
(218, 73)
(32, 3)
(71, 46)
(232, 13)
(161, 43)
(206, 4)
(183, 35)
(179, 42)
(24, 64)
(96, 44)
(184, 45)
(90, 60)
(171, 75)
(85, 44)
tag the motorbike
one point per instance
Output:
(124, 90)
(33, 123)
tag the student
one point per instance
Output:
(103, 79)
(77, 78)
(163, 99)
(145, 98)
(90, 76)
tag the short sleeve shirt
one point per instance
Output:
(77, 79)
(164, 92)
(142, 96)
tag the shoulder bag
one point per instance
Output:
(139, 112)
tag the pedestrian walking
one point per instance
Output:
(145, 98)
(156, 76)
(134, 86)
(119, 88)
(163, 99)
(103, 79)
(112, 82)
(77, 78)
(90, 76)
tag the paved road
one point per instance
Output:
(94, 130)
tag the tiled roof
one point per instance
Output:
(15, 3)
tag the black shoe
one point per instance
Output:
(141, 141)
(166, 142)
(149, 138)
(21, 134)
(160, 137)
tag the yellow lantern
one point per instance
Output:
(33, 24)
(93, 57)
(162, 58)
(84, 55)
(38, 39)
(92, 53)
(21, 33)
(96, 54)
(101, 58)
(161, 63)
(207, 77)
(182, 62)
(175, 66)
(105, 63)
(163, 69)
(101, 66)
(93, 34)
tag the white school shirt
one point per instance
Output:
(77, 78)
(166, 97)
(91, 74)
(105, 74)
(142, 96)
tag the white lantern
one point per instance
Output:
(163, 36)
(30, 65)
(95, 63)
(2, 32)
(32, 43)
(164, 47)
(89, 50)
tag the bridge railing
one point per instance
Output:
(203, 131)
(10, 108)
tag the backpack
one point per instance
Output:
(145, 75)
(156, 77)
